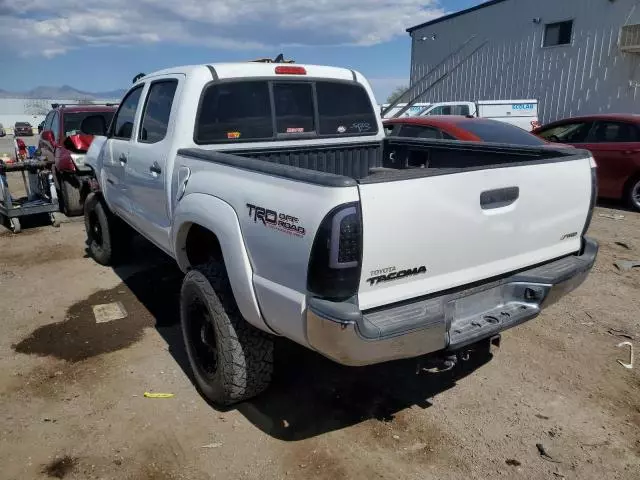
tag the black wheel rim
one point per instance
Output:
(202, 338)
(95, 230)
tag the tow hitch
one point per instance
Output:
(448, 360)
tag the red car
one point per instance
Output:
(62, 141)
(22, 129)
(470, 129)
(614, 141)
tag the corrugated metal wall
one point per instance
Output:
(589, 76)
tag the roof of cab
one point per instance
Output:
(259, 69)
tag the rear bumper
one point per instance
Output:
(448, 321)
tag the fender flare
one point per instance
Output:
(220, 218)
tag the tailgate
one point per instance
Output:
(432, 233)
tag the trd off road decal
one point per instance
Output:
(390, 274)
(278, 221)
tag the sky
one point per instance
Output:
(99, 45)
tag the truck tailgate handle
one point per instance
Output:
(498, 198)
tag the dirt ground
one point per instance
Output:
(72, 404)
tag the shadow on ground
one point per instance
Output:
(310, 394)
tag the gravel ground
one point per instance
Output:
(72, 389)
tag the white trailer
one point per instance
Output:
(521, 113)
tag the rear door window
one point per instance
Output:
(345, 108)
(294, 107)
(613, 132)
(235, 111)
(157, 110)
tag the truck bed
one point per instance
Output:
(389, 160)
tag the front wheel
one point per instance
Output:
(633, 194)
(231, 360)
(107, 235)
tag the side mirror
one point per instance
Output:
(40, 128)
(47, 136)
(94, 125)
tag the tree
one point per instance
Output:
(393, 96)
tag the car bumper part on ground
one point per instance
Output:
(448, 321)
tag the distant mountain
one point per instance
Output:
(64, 92)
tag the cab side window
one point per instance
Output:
(123, 121)
(157, 110)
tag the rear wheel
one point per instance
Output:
(633, 194)
(231, 360)
(71, 203)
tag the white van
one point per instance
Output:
(521, 113)
(413, 111)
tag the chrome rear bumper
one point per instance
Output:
(447, 321)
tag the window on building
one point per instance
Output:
(558, 33)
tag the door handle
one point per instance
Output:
(499, 198)
(155, 168)
(631, 152)
(122, 158)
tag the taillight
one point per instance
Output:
(65, 161)
(336, 255)
(290, 70)
(594, 195)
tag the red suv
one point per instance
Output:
(614, 141)
(65, 139)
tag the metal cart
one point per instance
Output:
(41, 196)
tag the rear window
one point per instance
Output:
(235, 111)
(344, 108)
(267, 110)
(499, 132)
(294, 107)
(71, 121)
(22, 124)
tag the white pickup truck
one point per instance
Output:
(276, 192)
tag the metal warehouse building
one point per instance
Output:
(576, 57)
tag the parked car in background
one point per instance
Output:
(62, 141)
(614, 141)
(455, 127)
(22, 129)
(2, 131)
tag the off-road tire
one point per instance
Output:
(242, 356)
(71, 201)
(109, 245)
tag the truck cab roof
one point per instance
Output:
(223, 71)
